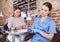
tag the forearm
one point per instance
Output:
(48, 36)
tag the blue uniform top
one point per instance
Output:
(48, 26)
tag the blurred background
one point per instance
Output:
(30, 10)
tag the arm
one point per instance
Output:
(18, 27)
(21, 24)
(51, 31)
(48, 36)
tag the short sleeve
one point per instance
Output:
(52, 27)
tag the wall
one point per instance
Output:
(6, 6)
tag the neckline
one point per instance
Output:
(44, 20)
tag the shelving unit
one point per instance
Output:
(23, 4)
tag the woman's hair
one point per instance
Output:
(15, 8)
(48, 4)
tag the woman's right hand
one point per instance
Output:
(17, 27)
(13, 28)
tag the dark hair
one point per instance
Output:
(48, 4)
(15, 8)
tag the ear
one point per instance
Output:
(49, 13)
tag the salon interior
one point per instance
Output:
(30, 9)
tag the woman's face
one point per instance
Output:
(17, 13)
(44, 11)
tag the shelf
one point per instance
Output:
(18, 1)
(23, 4)
(32, 0)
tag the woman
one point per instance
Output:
(17, 26)
(44, 27)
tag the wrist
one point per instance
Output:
(15, 28)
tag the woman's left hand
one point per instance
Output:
(24, 26)
(18, 27)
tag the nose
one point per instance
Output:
(42, 11)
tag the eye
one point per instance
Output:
(45, 10)
(17, 12)
(41, 9)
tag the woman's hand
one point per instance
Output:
(24, 26)
(13, 28)
(18, 27)
(33, 30)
